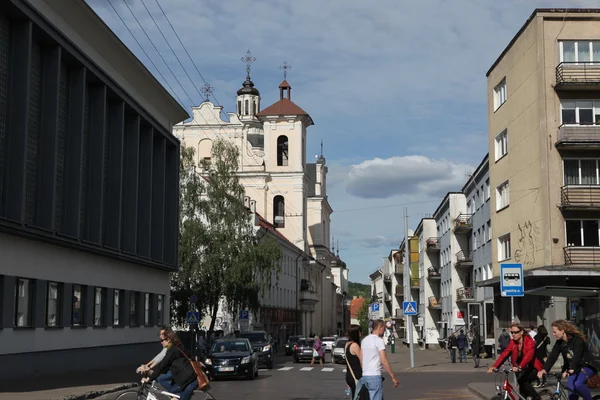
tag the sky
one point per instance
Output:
(396, 88)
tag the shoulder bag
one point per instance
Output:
(200, 374)
(364, 392)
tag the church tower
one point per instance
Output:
(248, 97)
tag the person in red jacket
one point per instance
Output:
(521, 350)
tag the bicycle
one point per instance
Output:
(507, 391)
(149, 391)
(561, 392)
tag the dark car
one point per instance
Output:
(289, 345)
(303, 350)
(232, 357)
(261, 346)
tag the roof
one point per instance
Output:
(283, 107)
(355, 306)
(263, 223)
(564, 11)
(284, 84)
(475, 174)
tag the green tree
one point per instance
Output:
(220, 256)
(363, 318)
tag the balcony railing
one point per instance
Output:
(434, 303)
(399, 313)
(465, 294)
(399, 270)
(580, 197)
(415, 283)
(464, 258)
(583, 135)
(577, 75)
(387, 297)
(463, 223)
(433, 273)
(582, 256)
(399, 291)
(433, 244)
(387, 277)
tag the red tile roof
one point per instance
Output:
(263, 223)
(284, 84)
(282, 107)
(355, 306)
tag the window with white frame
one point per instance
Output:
(474, 240)
(117, 307)
(159, 311)
(488, 229)
(582, 51)
(99, 294)
(502, 197)
(146, 309)
(500, 94)
(581, 172)
(580, 112)
(582, 233)
(501, 142)
(24, 303)
(504, 247)
(53, 305)
(487, 190)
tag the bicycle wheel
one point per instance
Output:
(203, 395)
(549, 394)
(130, 395)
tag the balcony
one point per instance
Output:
(434, 303)
(399, 270)
(433, 244)
(465, 294)
(580, 197)
(433, 273)
(399, 313)
(578, 76)
(415, 283)
(582, 137)
(399, 291)
(582, 256)
(464, 259)
(387, 297)
(387, 277)
(463, 223)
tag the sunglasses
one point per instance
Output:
(515, 332)
(162, 340)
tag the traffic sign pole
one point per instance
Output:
(406, 272)
(511, 284)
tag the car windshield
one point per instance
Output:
(294, 339)
(305, 343)
(254, 337)
(230, 346)
(329, 339)
(341, 343)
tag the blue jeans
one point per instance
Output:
(577, 385)
(462, 354)
(165, 379)
(185, 393)
(374, 385)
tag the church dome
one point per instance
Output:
(248, 88)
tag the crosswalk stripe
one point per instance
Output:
(306, 369)
(344, 370)
(327, 369)
(262, 370)
(285, 368)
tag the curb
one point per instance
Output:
(477, 392)
(96, 394)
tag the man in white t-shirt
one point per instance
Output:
(373, 359)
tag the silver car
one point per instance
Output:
(328, 343)
(338, 354)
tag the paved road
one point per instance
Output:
(289, 381)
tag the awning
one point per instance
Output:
(564, 291)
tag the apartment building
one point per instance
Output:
(88, 193)
(544, 141)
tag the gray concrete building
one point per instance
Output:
(88, 193)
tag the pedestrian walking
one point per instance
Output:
(317, 352)
(354, 369)
(503, 341)
(452, 346)
(462, 346)
(542, 340)
(476, 347)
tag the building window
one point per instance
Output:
(99, 294)
(500, 94)
(146, 309)
(159, 309)
(282, 151)
(24, 303)
(133, 308)
(279, 212)
(488, 232)
(501, 144)
(502, 197)
(579, 52)
(246, 107)
(581, 172)
(77, 311)
(53, 305)
(239, 107)
(504, 247)
(117, 308)
(580, 112)
(487, 190)
(582, 233)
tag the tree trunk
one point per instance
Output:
(215, 309)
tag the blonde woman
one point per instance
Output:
(571, 344)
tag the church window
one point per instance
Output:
(239, 110)
(247, 108)
(255, 109)
(279, 212)
(282, 151)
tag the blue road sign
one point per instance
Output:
(511, 280)
(410, 307)
(193, 298)
(193, 317)
(244, 314)
(375, 307)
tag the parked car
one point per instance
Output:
(261, 346)
(338, 355)
(232, 357)
(289, 345)
(303, 350)
(328, 343)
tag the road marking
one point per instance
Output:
(306, 368)
(327, 369)
(344, 370)
(285, 368)
(263, 370)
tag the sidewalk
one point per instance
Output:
(432, 361)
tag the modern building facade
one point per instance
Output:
(543, 93)
(88, 193)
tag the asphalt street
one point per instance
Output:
(290, 381)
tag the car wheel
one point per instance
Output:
(270, 365)
(256, 372)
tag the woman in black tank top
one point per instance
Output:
(353, 361)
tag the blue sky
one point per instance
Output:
(396, 88)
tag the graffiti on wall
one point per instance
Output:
(528, 242)
(592, 333)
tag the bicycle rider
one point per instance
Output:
(571, 344)
(521, 351)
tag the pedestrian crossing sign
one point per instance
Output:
(410, 308)
(193, 317)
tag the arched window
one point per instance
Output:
(239, 108)
(247, 108)
(255, 108)
(279, 212)
(282, 151)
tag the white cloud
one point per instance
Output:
(407, 175)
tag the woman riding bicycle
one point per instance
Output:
(521, 351)
(181, 369)
(571, 344)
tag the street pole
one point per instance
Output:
(406, 274)
(512, 309)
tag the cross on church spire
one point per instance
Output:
(285, 67)
(207, 90)
(248, 59)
